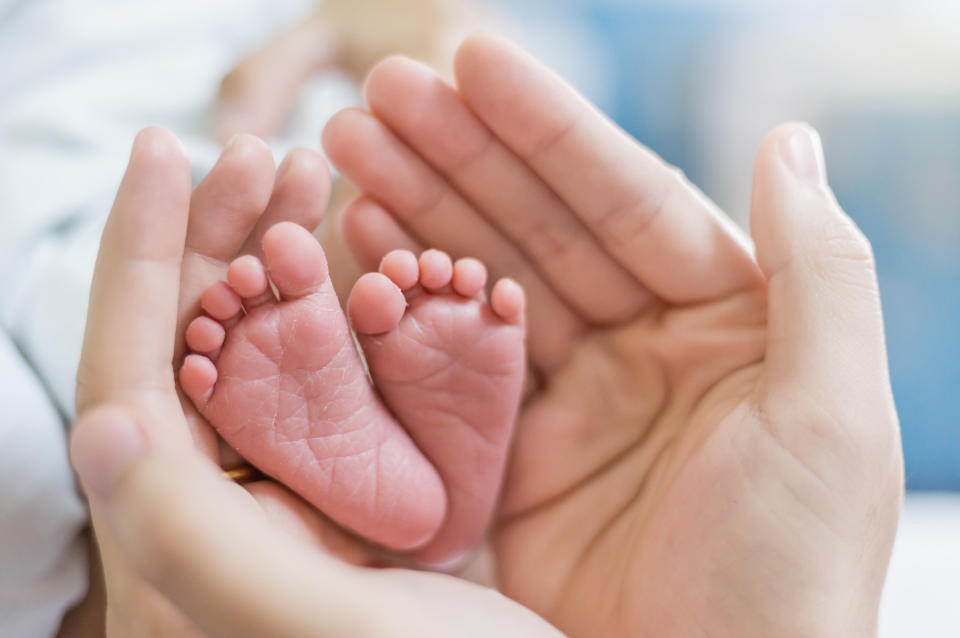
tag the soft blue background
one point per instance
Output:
(889, 167)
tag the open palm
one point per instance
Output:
(136, 311)
(709, 446)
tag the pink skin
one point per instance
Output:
(451, 370)
(284, 385)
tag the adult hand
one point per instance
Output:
(186, 553)
(712, 446)
(259, 93)
(209, 548)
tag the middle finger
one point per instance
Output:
(383, 167)
(432, 119)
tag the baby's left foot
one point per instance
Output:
(450, 367)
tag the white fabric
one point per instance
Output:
(77, 80)
(42, 560)
(923, 585)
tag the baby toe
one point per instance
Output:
(247, 277)
(220, 301)
(469, 276)
(197, 376)
(376, 304)
(508, 300)
(295, 260)
(402, 268)
(204, 335)
(436, 269)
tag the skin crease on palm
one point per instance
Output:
(712, 448)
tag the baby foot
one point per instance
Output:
(450, 367)
(282, 382)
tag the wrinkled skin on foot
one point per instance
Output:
(289, 392)
(712, 448)
(193, 237)
(452, 371)
(182, 548)
(284, 385)
(172, 265)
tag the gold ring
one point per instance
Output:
(241, 474)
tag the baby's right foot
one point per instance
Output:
(450, 366)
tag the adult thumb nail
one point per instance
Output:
(803, 154)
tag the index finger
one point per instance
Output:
(646, 215)
(128, 344)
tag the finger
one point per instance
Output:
(370, 232)
(199, 540)
(206, 546)
(259, 93)
(825, 328)
(129, 342)
(428, 114)
(230, 199)
(224, 208)
(295, 516)
(300, 196)
(644, 212)
(436, 215)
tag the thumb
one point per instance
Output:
(825, 329)
(208, 548)
(204, 543)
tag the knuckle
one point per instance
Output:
(842, 239)
(840, 254)
(623, 223)
(549, 241)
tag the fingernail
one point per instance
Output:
(104, 444)
(231, 142)
(803, 153)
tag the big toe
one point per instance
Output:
(295, 260)
(376, 304)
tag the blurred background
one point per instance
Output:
(699, 81)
